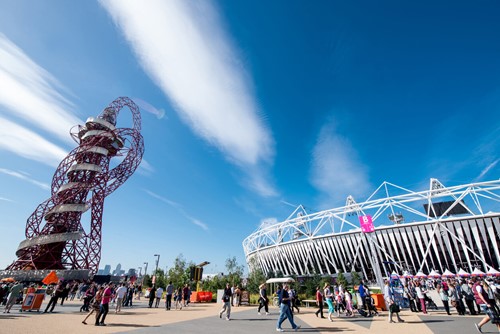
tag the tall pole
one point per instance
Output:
(145, 268)
(157, 261)
(156, 270)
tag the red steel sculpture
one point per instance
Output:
(55, 236)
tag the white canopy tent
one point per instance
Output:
(448, 274)
(463, 273)
(434, 274)
(477, 273)
(493, 272)
(420, 275)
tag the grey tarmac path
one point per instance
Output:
(204, 319)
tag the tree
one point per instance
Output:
(179, 273)
(255, 278)
(147, 282)
(214, 283)
(160, 279)
(355, 278)
(234, 271)
(311, 283)
(341, 280)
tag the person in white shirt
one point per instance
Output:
(159, 294)
(420, 295)
(120, 294)
(389, 299)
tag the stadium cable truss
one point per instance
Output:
(437, 229)
(55, 235)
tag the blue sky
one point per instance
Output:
(248, 108)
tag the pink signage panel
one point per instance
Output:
(366, 224)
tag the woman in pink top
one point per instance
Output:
(106, 297)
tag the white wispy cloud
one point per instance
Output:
(487, 169)
(6, 199)
(199, 223)
(267, 222)
(179, 208)
(29, 92)
(336, 170)
(145, 168)
(159, 113)
(28, 144)
(25, 177)
(163, 199)
(183, 48)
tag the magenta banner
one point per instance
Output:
(366, 224)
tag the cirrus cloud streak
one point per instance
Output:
(183, 48)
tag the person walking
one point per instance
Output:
(456, 298)
(421, 296)
(58, 291)
(152, 296)
(319, 302)
(159, 294)
(481, 297)
(491, 295)
(121, 292)
(226, 299)
(185, 294)
(178, 298)
(362, 294)
(469, 296)
(87, 298)
(96, 305)
(444, 298)
(329, 300)
(13, 295)
(348, 303)
(391, 304)
(293, 299)
(168, 297)
(285, 312)
(237, 296)
(370, 303)
(410, 293)
(65, 293)
(263, 300)
(106, 297)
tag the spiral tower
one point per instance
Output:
(56, 237)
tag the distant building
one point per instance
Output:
(131, 272)
(118, 270)
(106, 270)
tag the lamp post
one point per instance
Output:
(140, 271)
(145, 268)
(156, 270)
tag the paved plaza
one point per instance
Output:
(203, 318)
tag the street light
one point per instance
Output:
(157, 260)
(145, 268)
(156, 270)
(140, 271)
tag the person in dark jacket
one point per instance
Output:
(58, 292)
(152, 296)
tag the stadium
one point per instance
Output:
(442, 228)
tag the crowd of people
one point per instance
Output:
(473, 296)
(464, 296)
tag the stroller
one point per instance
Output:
(429, 303)
(370, 304)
